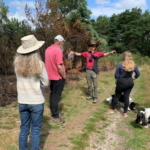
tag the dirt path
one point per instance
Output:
(110, 136)
(114, 133)
(59, 139)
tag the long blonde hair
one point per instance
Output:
(128, 63)
(28, 65)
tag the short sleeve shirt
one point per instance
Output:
(87, 55)
(53, 57)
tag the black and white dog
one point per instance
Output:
(143, 117)
(132, 104)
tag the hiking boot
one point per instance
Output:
(61, 114)
(111, 111)
(89, 97)
(57, 120)
(95, 100)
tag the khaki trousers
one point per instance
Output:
(91, 76)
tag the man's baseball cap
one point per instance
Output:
(59, 38)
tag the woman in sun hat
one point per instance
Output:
(124, 81)
(92, 67)
(31, 77)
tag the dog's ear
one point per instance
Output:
(138, 118)
(149, 119)
(132, 106)
(143, 120)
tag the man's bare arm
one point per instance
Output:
(107, 54)
(61, 70)
(76, 54)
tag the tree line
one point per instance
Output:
(71, 18)
(129, 30)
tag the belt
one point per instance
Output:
(124, 77)
(88, 69)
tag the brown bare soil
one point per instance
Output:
(8, 91)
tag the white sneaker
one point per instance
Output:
(109, 99)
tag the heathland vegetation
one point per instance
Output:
(71, 18)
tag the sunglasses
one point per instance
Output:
(92, 45)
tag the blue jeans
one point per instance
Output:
(30, 115)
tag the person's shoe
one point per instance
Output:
(125, 114)
(111, 111)
(109, 98)
(89, 97)
(57, 120)
(61, 114)
(95, 100)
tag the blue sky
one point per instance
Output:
(98, 7)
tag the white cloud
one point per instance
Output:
(20, 6)
(107, 11)
(117, 7)
(19, 14)
(102, 1)
(129, 4)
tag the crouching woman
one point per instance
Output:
(31, 77)
(124, 81)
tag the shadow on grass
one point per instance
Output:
(135, 125)
(84, 91)
(61, 106)
(106, 102)
(139, 107)
(45, 131)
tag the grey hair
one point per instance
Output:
(55, 41)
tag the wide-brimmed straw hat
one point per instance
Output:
(29, 44)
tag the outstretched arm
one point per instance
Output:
(107, 54)
(76, 54)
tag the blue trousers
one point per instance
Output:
(31, 116)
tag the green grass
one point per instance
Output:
(55, 127)
(123, 133)
(102, 138)
(139, 138)
(100, 90)
(82, 140)
(15, 105)
(13, 148)
(94, 146)
(62, 145)
(73, 104)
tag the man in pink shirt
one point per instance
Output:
(56, 74)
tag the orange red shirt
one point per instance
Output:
(87, 55)
(53, 57)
